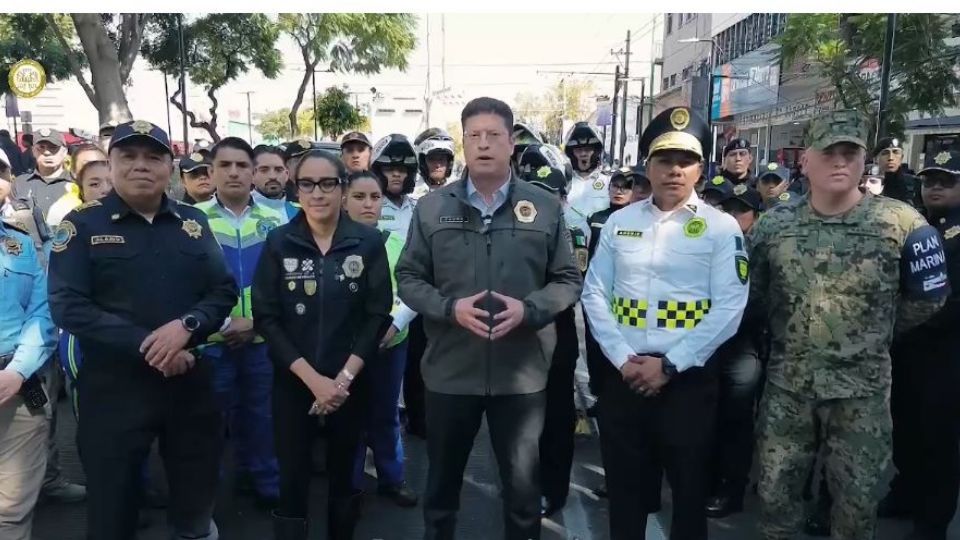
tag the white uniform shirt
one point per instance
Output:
(396, 219)
(673, 283)
(587, 196)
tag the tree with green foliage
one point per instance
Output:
(567, 100)
(349, 42)
(275, 125)
(923, 72)
(219, 48)
(105, 45)
(336, 115)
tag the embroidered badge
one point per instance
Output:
(598, 185)
(784, 197)
(290, 264)
(310, 287)
(951, 232)
(942, 158)
(306, 265)
(695, 227)
(192, 228)
(582, 258)
(300, 309)
(292, 285)
(353, 287)
(739, 189)
(13, 246)
(630, 234)
(680, 119)
(453, 219)
(525, 211)
(266, 225)
(543, 172)
(107, 239)
(196, 156)
(142, 127)
(353, 266)
(717, 181)
(743, 268)
(62, 236)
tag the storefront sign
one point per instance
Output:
(748, 83)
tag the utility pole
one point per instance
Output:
(183, 83)
(427, 98)
(613, 116)
(166, 94)
(623, 113)
(316, 121)
(885, 75)
(653, 65)
(443, 51)
(249, 119)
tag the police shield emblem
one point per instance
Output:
(582, 256)
(353, 266)
(290, 264)
(743, 268)
(525, 211)
(192, 228)
(695, 227)
(62, 236)
(310, 287)
(13, 246)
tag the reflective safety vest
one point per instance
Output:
(241, 246)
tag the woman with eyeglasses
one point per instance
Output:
(321, 298)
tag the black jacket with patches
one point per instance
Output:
(322, 307)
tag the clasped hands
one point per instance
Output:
(644, 374)
(474, 319)
(164, 350)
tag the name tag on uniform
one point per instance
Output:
(106, 239)
(630, 234)
(453, 219)
(387, 217)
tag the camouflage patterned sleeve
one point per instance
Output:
(759, 270)
(924, 285)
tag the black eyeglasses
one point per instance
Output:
(326, 185)
(943, 180)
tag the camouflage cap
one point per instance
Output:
(835, 127)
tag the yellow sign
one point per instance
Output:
(27, 78)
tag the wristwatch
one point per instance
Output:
(190, 323)
(668, 368)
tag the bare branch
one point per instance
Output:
(71, 58)
(190, 115)
(212, 125)
(131, 36)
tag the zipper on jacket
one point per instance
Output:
(489, 288)
(243, 299)
(318, 274)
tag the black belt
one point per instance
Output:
(31, 390)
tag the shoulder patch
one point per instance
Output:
(62, 236)
(88, 204)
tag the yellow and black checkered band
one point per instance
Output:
(630, 312)
(687, 315)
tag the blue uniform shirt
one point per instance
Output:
(26, 328)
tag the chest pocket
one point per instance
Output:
(863, 261)
(17, 277)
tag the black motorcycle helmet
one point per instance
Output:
(583, 134)
(395, 149)
(523, 136)
(433, 141)
(537, 158)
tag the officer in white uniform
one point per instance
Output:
(588, 192)
(394, 162)
(666, 287)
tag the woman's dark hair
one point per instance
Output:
(488, 105)
(362, 175)
(329, 157)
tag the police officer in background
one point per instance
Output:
(560, 418)
(435, 155)
(139, 279)
(523, 136)
(195, 177)
(772, 185)
(737, 162)
(51, 179)
(292, 152)
(22, 214)
(898, 183)
(355, 149)
(926, 376)
(270, 178)
(666, 287)
(395, 160)
(588, 191)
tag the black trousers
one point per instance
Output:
(560, 418)
(598, 367)
(643, 437)
(294, 434)
(121, 419)
(925, 406)
(515, 424)
(739, 372)
(413, 389)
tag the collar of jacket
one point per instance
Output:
(459, 190)
(346, 235)
(693, 204)
(119, 209)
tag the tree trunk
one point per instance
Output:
(295, 108)
(209, 127)
(109, 96)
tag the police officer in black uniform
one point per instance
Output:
(737, 162)
(139, 278)
(49, 181)
(559, 423)
(898, 183)
(925, 404)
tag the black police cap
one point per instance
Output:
(887, 142)
(736, 144)
(945, 161)
(140, 130)
(193, 162)
(296, 148)
(677, 128)
(746, 195)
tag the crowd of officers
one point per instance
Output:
(293, 292)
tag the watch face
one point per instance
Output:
(190, 323)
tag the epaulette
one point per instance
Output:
(17, 226)
(88, 204)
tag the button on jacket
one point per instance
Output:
(115, 277)
(673, 283)
(322, 307)
(26, 329)
(523, 252)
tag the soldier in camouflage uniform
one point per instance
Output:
(837, 272)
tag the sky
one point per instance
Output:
(497, 55)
